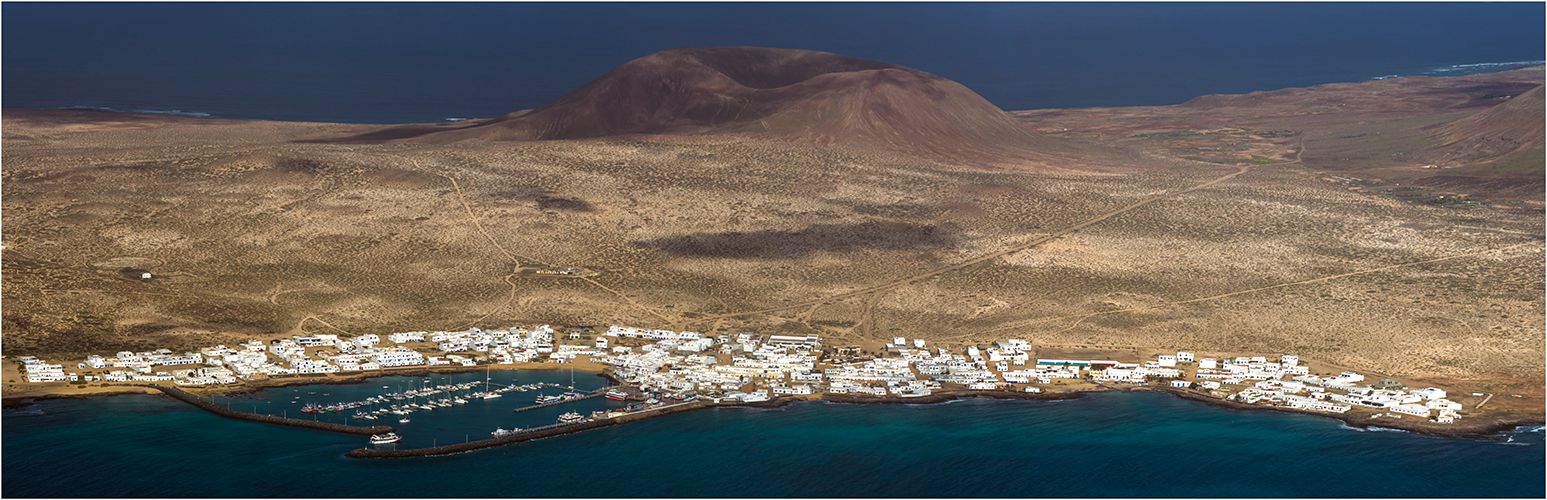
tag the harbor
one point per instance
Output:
(455, 424)
(228, 412)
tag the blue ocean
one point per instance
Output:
(427, 62)
(1103, 445)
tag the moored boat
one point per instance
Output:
(387, 438)
(617, 395)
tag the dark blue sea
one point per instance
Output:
(1104, 445)
(426, 62)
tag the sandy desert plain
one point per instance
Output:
(1273, 222)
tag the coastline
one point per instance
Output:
(1475, 428)
(1471, 432)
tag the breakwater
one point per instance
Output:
(522, 436)
(211, 407)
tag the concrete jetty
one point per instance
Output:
(211, 407)
(524, 435)
(592, 394)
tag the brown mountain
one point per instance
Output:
(779, 94)
(1513, 126)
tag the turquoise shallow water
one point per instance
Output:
(1105, 445)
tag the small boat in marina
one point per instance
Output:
(617, 395)
(570, 418)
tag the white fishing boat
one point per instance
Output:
(570, 418)
(387, 438)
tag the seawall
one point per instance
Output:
(943, 396)
(211, 407)
(545, 432)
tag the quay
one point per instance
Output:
(592, 394)
(543, 385)
(211, 407)
(525, 434)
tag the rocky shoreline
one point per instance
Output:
(1473, 429)
(22, 401)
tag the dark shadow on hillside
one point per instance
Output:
(566, 204)
(392, 133)
(775, 244)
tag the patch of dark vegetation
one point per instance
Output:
(772, 244)
(303, 165)
(133, 273)
(519, 193)
(566, 204)
(897, 210)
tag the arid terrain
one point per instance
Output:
(1299, 220)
